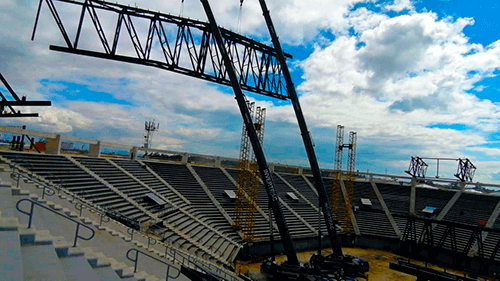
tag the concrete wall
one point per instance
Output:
(54, 145)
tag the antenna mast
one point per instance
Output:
(150, 128)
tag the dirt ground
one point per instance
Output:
(379, 263)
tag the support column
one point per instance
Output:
(350, 211)
(218, 162)
(310, 185)
(185, 157)
(133, 153)
(54, 145)
(95, 149)
(386, 210)
(449, 205)
(271, 167)
(492, 219)
(301, 170)
(413, 193)
(493, 216)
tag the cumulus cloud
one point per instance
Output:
(399, 6)
(396, 77)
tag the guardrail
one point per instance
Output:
(136, 259)
(30, 220)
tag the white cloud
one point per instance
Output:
(396, 77)
(56, 120)
(399, 6)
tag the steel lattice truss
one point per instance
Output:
(465, 170)
(417, 167)
(7, 106)
(174, 43)
(423, 234)
(336, 194)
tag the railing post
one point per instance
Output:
(76, 234)
(79, 207)
(101, 216)
(18, 178)
(31, 214)
(136, 260)
(151, 241)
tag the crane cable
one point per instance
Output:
(240, 16)
(181, 12)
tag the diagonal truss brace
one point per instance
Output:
(185, 46)
(9, 104)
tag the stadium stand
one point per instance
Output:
(182, 180)
(186, 206)
(295, 224)
(397, 199)
(367, 217)
(217, 182)
(436, 198)
(303, 187)
(61, 171)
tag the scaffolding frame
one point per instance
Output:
(336, 195)
(245, 206)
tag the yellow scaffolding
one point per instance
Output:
(337, 199)
(245, 207)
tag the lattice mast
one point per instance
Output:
(150, 127)
(248, 176)
(349, 184)
(342, 214)
(336, 193)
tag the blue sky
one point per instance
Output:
(410, 77)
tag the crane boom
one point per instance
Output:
(306, 136)
(265, 173)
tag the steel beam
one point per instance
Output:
(185, 46)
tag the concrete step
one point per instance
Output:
(11, 259)
(107, 273)
(96, 260)
(78, 269)
(6, 201)
(40, 262)
(44, 219)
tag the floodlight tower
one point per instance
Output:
(150, 128)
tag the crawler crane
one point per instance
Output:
(333, 267)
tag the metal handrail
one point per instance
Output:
(158, 260)
(177, 254)
(47, 189)
(30, 215)
(180, 257)
(151, 241)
